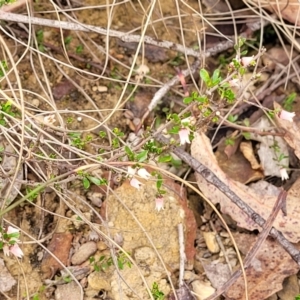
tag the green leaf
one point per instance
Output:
(229, 142)
(246, 122)
(247, 135)
(79, 49)
(176, 163)
(159, 181)
(129, 153)
(86, 183)
(202, 99)
(165, 158)
(188, 100)
(241, 42)
(174, 130)
(94, 180)
(232, 118)
(216, 79)
(142, 156)
(68, 40)
(175, 118)
(288, 102)
(205, 76)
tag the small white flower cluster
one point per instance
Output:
(10, 244)
(143, 173)
(184, 132)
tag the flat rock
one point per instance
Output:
(68, 291)
(202, 290)
(83, 253)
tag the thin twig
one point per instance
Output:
(250, 129)
(210, 177)
(219, 241)
(181, 253)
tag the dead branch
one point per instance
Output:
(11, 17)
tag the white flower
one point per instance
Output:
(283, 173)
(247, 60)
(144, 173)
(184, 136)
(16, 250)
(49, 120)
(135, 183)
(11, 230)
(141, 71)
(234, 82)
(131, 171)
(188, 121)
(159, 203)
(285, 115)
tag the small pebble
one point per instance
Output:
(35, 102)
(84, 252)
(211, 242)
(206, 255)
(101, 246)
(224, 234)
(102, 89)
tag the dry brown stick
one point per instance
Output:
(280, 202)
(250, 129)
(11, 17)
(210, 177)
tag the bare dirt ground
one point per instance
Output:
(107, 208)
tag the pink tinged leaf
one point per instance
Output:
(159, 203)
(16, 250)
(285, 115)
(135, 183)
(284, 174)
(144, 173)
(184, 136)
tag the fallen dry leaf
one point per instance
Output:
(267, 271)
(292, 132)
(237, 166)
(260, 200)
(287, 10)
(270, 148)
(59, 247)
(247, 149)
